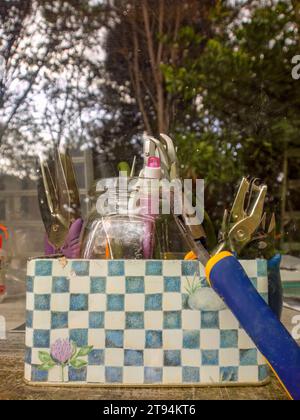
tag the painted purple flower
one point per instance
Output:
(62, 350)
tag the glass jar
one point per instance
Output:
(124, 223)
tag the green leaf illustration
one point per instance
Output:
(47, 365)
(78, 363)
(44, 357)
(84, 351)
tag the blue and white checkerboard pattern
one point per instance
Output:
(136, 317)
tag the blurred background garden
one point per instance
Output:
(95, 75)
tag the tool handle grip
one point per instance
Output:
(228, 278)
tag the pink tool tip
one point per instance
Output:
(153, 162)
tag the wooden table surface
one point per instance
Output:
(12, 386)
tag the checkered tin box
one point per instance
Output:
(130, 323)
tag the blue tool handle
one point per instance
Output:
(228, 278)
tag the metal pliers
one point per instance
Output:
(58, 195)
(243, 221)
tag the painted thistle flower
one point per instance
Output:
(61, 350)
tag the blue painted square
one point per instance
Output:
(134, 358)
(59, 320)
(96, 358)
(81, 268)
(229, 374)
(185, 301)
(113, 375)
(43, 268)
(61, 285)
(135, 285)
(29, 284)
(154, 268)
(191, 339)
(96, 320)
(153, 375)
(79, 302)
(29, 319)
(263, 373)
(41, 339)
(79, 336)
(191, 375)
(172, 320)
(98, 285)
(172, 284)
(77, 375)
(116, 268)
(38, 375)
(154, 340)
(28, 355)
(190, 268)
(153, 302)
(134, 320)
(265, 297)
(42, 302)
(210, 357)
(210, 320)
(172, 358)
(248, 357)
(262, 268)
(229, 339)
(114, 339)
(254, 281)
(115, 302)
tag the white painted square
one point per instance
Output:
(133, 375)
(97, 303)
(31, 268)
(27, 372)
(35, 360)
(248, 374)
(43, 285)
(210, 339)
(98, 268)
(55, 374)
(115, 320)
(41, 320)
(135, 302)
(229, 357)
(262, 285)
(210, 375)
(29, 301)
(96, 374)
(172, 339)
(59, 334)
(191, 320)
(154, 284)
(115, 285)
(153, 357)
(59, 269)
(172, 301)
(245, 341)
(134, 339)
(135, 268)
(172, 268)
(261, 360)
(153, 320)
(172, 375)
(228, 321)
(60, 302)
(29, 337)
(114, 357)
(78, 319)
(96, 338)
(79, 284)
(191, 357)
(250, 267)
